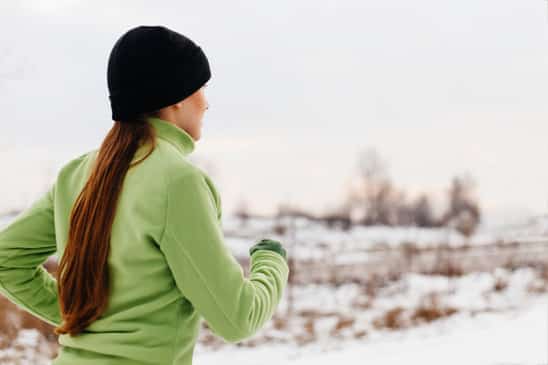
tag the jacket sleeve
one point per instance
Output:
(25, 244)
(234, 306)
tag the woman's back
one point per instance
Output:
(168, 263)
(144, 302)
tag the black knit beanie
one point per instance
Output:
(151, 67)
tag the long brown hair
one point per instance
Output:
(83, 276)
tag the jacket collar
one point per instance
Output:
(178, 137)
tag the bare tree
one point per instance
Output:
(422, 209)
(375, 184)
(379, 201)
(463, 212)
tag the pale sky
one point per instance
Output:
(298, 88)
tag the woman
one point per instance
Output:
(137, 227)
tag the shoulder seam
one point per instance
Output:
(167, 183)
(166, 188)
(213, 193)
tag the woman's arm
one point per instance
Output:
(206, 272)
(25, 244)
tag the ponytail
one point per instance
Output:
(83, 276)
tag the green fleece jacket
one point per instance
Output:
(169, 264)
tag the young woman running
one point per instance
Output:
(137, 227)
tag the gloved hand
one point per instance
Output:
(268, 244)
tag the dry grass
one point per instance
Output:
(447, 267)
(392, 319)
(310, 321)
(279, 322)
(425, 314)
(312, 313)
(9, 323)
(540, 285)
(13, 319)
(342, 323)
(428, 310)
(500, 285)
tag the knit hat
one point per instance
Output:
(151, 67)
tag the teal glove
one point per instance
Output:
(268, 244)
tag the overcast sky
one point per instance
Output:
(298, 88)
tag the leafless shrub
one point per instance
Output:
(392, 319)
(430, 309)
(463, 212)
(280, 229)
(310, 327)
(537, 287)
(540, 284)
(429, 314)
(500, 284)
(342, 323)
(409, 250)
(279, 322)
(445, 264)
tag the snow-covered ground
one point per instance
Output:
(485, 317)
(313, 238)
(496, 318)
(331, 314)
(517, 337)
